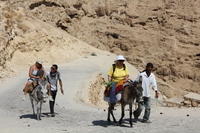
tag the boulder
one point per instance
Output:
(193, 97)
(194, 104)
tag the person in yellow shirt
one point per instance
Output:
(117, 73)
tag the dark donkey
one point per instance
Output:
(131, 91)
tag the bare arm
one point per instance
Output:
(155, 87)
(109, 78)
(126, 77)
(30, 73)
(61, 86)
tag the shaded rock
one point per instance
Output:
(93, 54)
(71, 12)
(193, 97)
(198, 54)
(78, 5)
(174, 102)
(194, 104)
(90, 12)
(100, 11)
(114, 35)
(187, 103)
(141, 23)
(63, 23)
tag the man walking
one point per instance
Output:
(148, 83)
(53, 77)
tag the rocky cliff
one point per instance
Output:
(164, 32)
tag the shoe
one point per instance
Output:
(44, 101)
(24, 98)
(145, 121)
(50, 98)
(135, 120)
(45, 96)
(53, 115)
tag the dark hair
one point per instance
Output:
(39, 66)
(149, 65)
(56, 66)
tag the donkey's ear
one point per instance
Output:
(140, 79)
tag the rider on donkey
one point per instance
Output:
(34, 74)
(117, 75)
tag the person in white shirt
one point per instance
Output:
(148, 83)
(53, 77)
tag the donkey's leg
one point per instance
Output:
(111, 112)
(122, 113)
(130, 113)
(113, 116)
(38, 111)
(32, 103)
(108, 118)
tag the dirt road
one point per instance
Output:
(74, 116)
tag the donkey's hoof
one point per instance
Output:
(120, 122)
(108, 120)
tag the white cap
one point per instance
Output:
(120, 57)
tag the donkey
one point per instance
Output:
(131, 91)
(37, 96)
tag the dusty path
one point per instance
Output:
(75, 116)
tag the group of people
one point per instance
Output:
(52, 77)
(119, 72)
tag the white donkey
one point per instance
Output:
(37, 96)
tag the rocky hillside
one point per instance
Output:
(25, 39)
(164, 32)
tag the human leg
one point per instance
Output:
(28, 87)
(147, 105)
(51, 103)
(139, 109)
(113, 98)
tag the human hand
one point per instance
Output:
(156, 94)
(62, 91)
(37, 77)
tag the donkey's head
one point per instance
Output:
(138, 87)
(40, 73)
(131, 89)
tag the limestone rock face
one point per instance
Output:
(165, 33)
(25, 39)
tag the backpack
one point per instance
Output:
(114, 67)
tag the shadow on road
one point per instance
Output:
(104, 123)
(31, 116)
